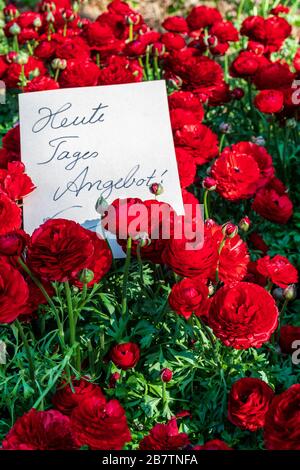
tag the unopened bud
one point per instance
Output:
(237, 93)
(211, 41)
(21, 58)
(291, 123)
(259, 140)
(290, 292)
(209, 183)
(101, 205)
(166, 375)
(225, 128)
(68, 15)
(34, 73)
(229, 230)
(37, 22)
(277, 293)
(113, 379)
(211, 290)
(14, 29)
(143, 239)
(50, 17)
(133, 18)
(244, 224)
(11, 56)
(175, 82)
(156, 189)
(159, 49)
(60, 64)
(85, 276)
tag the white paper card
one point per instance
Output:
(80, 143)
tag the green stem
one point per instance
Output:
(240, 9)
(219, 253)
(142, 66)
(72, 323)
(56, 74)
(28, 354)
(98, 62)
(125, 276)
(223, 136)
(30, 50)
(156, 68)
(140, 261)
(38, 283)
(206, 202)
(65, 29)
(130, 32)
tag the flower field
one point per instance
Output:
(169, 348)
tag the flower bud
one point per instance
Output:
(13, 243)
(211, 289)
(143, 239)
(49, 6)
(175, 81)
(229, 230)
(60, 64)
(166, 375)
(68, 14)
(15, 29)
(34, 73)
(37, 22)
(244, 224)
(114, 379)
(259, 140)
(209, 183)
(277, 293)
(50, 17)
(237, 93)
(225, 128)
(85, 276)
(21, 58)
(101, 205)
(10, 12)
(211, 41)
(158, 49)
(291, 123)
(156, 189)
(133, 18)
(290, 292)
(11, 56)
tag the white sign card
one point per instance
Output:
(78, 144)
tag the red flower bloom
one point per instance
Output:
(282, 426)
(101, 38)
(12, 76)
(258, 242)
(11, 140)
(120, 70)
(214, 444)
(125, 355)
(237, 174)
(166, 375)
(224, 31)
(273, 203)
(246, 64)
(165, 437)
(296, 61)
(190, 296)
(202, 16)
(273, 76)
(175, 24)
(199, 140)
(41, 84)
(289, 334)
(243, 315)
(191, 262)
(188, 101)
(79, 73)
(13, 243)
(271, 32)
(40, 430)
(172, 41)
(14, 182)
(59, 249)
(13, 293)
(269, 101)
(186, 167)
(278, 269)
(10, 215)
(100, 425)
(248, 403)
(73, 48)
(66, 398)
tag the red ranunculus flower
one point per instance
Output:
(59, 249)
(125, 355)
(100, 425)
(14, 182)
(186, 167)
(190, 296)
(66, 398)
(73, 48)
(269, 101)
(12, 76)
(258, 242)
(13, 243)
(165, 437)
(10, 215)
(248, 403)
(79, 73)
(172, 41)
(282, 425)
(40, 430)
(188, 101)
(175, 24)
(214, 444)
(247, 63)
(120, 70)
(278, 269)
(13, 293)
(186, 262)
(243, 315)
(273, 76)
(203, 16)
(11, 140)
(199, 140)
(41, 83)
(296, 60)
(273, 203)
(237, 174)
(289, 334)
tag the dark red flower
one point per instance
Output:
(289, 334)
(247, 63)
(273, 203)
(100, 425)
(186, 167)
(278, 269)
(172, 41)
(40, 430)
(258, 242)
(188, 101)
(273, 76)
(269, 101)
(282, 425)
(165, 437)
(248, 403)
(13, 293)
(224, 31)
(10, 215)
(66, 398)
(79, 73)
(166, 375)
(190, 296)
(175, 24)
(125, 355)
(243, 315)
(199, 140)
(13, 243)
(59, 249)
(120, 70)
(14, 182)
(203, 16)
(12, 76)
(214, 444)
(41, 83)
